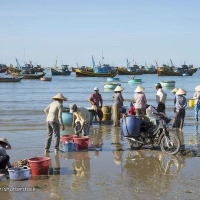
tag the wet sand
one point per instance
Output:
(112, 172)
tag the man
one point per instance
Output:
(4, 158)
(160, 98)
(81, 120)
(54, 115)
(94, 99)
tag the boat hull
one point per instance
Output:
(136, 80)
(9, 80)
(162, 72)
(112, 79)
(168, 84)
(126, 72)
(81, 73)
(46, 79)
(111, 85)
(57, 73)
(28, 76)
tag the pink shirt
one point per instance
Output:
(140, 99)
(96, 98)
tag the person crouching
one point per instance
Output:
(81, 120)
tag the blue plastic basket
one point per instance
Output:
(19, 173)
(69, 146)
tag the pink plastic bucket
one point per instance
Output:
(82, 142)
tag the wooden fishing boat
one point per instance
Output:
(10, 79)
(168, 84)
(81, 73)
(135, 80)
(46, 79)
(124, 71)
(28, 76)
(64, 72)
(111, 85)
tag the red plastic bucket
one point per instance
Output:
(68, 138)
(39, 165)
(82, 142)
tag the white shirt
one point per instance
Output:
(161, 96)
(54, 112)
(196, 96)
(82, 115)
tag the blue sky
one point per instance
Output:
(72, 31)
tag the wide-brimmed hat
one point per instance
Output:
(5, 141)
(181, 92)
(59, 96)
(72, 107)
(175, 90)
(197, 88)
(139, 89)
(158, 85)
(118, 89)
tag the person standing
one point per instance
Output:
(140, 101)
(174, 92)
(4, 158)
(160, 98)
(81, 120)
(54, 115)
(118, 103)
(197, 102)
(94, 99)
(180, 105)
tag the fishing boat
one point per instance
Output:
(129, 71)
(65, 71)
(111, 85)
(135, 80)
(168, 84)
(10, 79)
(27, 76)
(46, 79)
(112, 79)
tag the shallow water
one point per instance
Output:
(113, 173)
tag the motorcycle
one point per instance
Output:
(149, 135)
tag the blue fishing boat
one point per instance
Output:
(65, 71)
(135, 80)
(112, 79)
(111, 85)
(168, 83)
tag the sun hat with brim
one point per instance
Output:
(118, 89)
(181, 92)
(175, 90)
(139, 89)
(157, 85)
(197, 88)
(6, 142)
(72, 107)
(59, 96)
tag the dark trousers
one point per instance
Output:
(161, 107)
(3, 161)
(180, 114)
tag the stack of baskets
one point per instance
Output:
(106, 113)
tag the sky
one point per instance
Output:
(72, 31)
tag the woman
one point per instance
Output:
(54, 116)
(140, 101)
(118, 103)
(4, 158)
(197, 102)
(180, 105)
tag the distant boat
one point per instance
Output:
(10, 79)
(135, 80)
(168, 83)
(65, 71)
(46, 79)
(112, 79)
(111, 85)
(27, 76)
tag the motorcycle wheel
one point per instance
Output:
(134, 145)
(170, 145)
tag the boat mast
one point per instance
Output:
(102, 57)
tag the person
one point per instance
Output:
(54, 115)
(94, 99)
(197, 102)
(132, 77)
(4, 158)
(81, 120)
(181, 103)
(140, 101)
(174, 92)
(160, 98)
(118, 103)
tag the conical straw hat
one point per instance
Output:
(175, 90)
(5, 141)
(118, 89)
(197, 88)
(139, 89)
(59, 96)
(181, 92)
